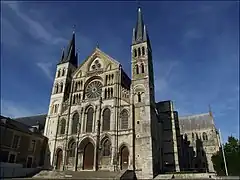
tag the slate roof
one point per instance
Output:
(33, 120)
(196, 122)
(13, 124)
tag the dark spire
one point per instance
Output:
(140, 32)
(62, 58)
(139, 26)
(69, 54)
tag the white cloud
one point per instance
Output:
(46, 68)
(9, 34)
(36, 28)
(163, 76)
(13, 110)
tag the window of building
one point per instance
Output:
(143, 51)
(16, 141)
(61, 88)
(106, 119)
(72, 147)
(89, 120)
(62, 126)
(75, 121)
(32, 145)
(142, 68)
(137, 69)
(29, 162)
(124, 119)
(204, 136)
(139, 51)
(58, 73)
(139, 97)
(106, 148)
(12, 158)
(135, 53)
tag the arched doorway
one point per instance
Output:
(59, 158)
(88, 156)
(124, 157)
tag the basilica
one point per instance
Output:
(101, 119)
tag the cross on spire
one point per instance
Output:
(74, 28)
(139, 4)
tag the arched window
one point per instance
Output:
(74, 99)
(106, 148)
(75, 87)
(106, 119)
(137, 69)
(185, 136)
(192, 136)
(139, 51)
(105, 94)
(62, 126)
(61, 87)
(139, 97)
(71, 148)
(111, 92)
(78, 85)
(204, 136)
(106, 79)
(56, 88)
(124, 119)
(56, 108)
(135, 53)
(142, 68)
(75, 120)
(81, 83)
(108, 93)
(63, 72)
(89, 120)
(58, 73)
(143, 51)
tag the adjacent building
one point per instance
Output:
(21, 144)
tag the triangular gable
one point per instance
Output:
(106, 63)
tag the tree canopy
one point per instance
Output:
(232, 155)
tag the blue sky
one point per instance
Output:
(195, 51)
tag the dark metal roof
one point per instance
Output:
(196, 122)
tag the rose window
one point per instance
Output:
(94, 89)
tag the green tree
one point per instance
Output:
(232, 155)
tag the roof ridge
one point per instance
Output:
(30, 116)
(194, 115)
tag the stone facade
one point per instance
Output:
(100, 119)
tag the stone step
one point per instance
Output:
(93, 174)
(50, 175)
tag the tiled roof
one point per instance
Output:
(196, 122)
